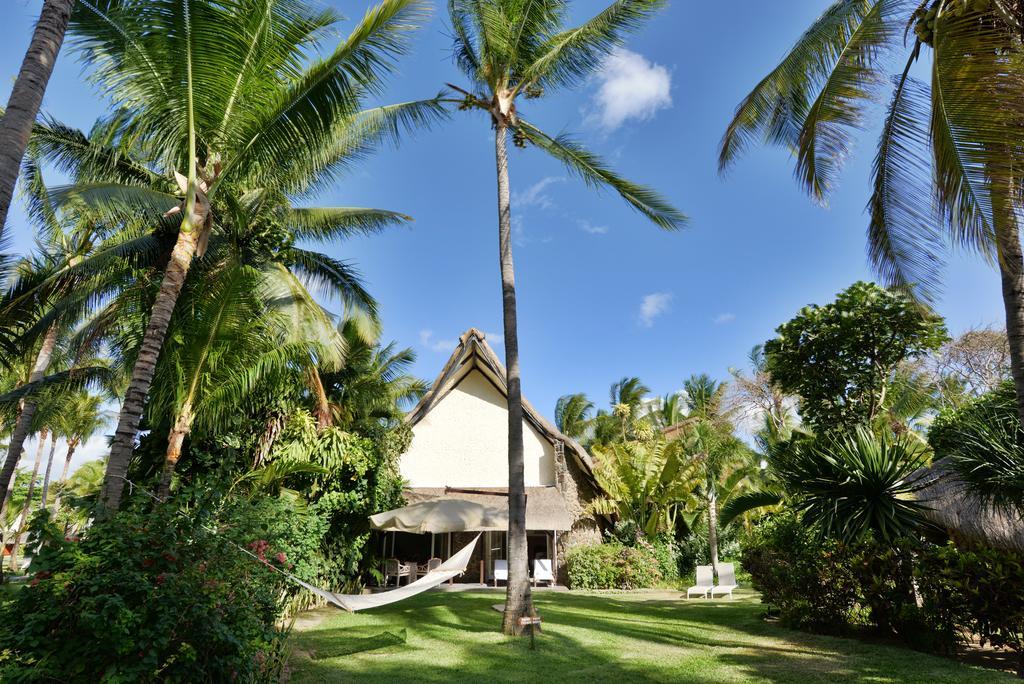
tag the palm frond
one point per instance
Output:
(332, 223)
(596, 173)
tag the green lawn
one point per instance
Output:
(615, 637)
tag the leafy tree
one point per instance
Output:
(27, 95)
(225, 94)
(840, 358)
(510, 50)
(573, 414)
(947, 167)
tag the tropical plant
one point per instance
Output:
(840, 358)
(948, 161)
(573, 414)
(81, 418)
(981, 442)
(27, 95)
(646, 484)
(509, 50)
(855, 486)
(252, 116)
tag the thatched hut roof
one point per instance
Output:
(965, 517)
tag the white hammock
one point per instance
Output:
(451, 568)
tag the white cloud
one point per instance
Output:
(535, 195)
(588, 227)
(428, 341)
(495, 339)
(653, 305)
(631, 88)
(723, 318)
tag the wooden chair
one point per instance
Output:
(394, 568)
(431, 565)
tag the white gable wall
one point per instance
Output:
(463, 442)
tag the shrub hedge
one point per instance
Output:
(613, 565)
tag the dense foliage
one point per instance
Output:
(613, 565)
(164, 595)
(981, 441)
(840, 358)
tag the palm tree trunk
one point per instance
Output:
(28, 411)
(180, 429)
(145, 364)
(1011, 271)
(49, 468)
(713, 527)
(27, 95)
(28, 497)
(72, 446)
(518, 599)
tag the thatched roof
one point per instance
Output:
(964, 516)
(545, 507)
(473, 353)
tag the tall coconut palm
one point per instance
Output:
(226, 97)
(948, 163)
(27, 95)
(510, 50)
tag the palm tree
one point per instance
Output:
(948, 161)
(508, 49)
(27, 95)
(572, 414)
(81, 419)
(223, 93)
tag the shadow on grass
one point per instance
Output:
(602, 638)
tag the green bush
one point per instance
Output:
(156, 596)
(975, 591)
(613, 565)
(810, 581)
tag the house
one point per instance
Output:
(460, 449)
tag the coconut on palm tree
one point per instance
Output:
(947, 167)
(228, 103)
(511, 51)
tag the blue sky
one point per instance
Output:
(602, 293)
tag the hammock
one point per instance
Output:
(451, 568)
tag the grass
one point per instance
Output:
(613, 637)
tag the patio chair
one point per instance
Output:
(542, 571)
(705, 582)
(500, 571)
(726, 580)
(394, 568)
(423, 568)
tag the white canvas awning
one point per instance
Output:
(441, 515)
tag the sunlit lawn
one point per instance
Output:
(615, 637)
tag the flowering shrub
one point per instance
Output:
(148, 596)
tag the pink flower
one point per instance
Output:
(281, 558)
(161, 578)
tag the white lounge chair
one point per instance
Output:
(726, 580)
(542, 571)
(500, 571)
(396, 569)
(705, 582)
